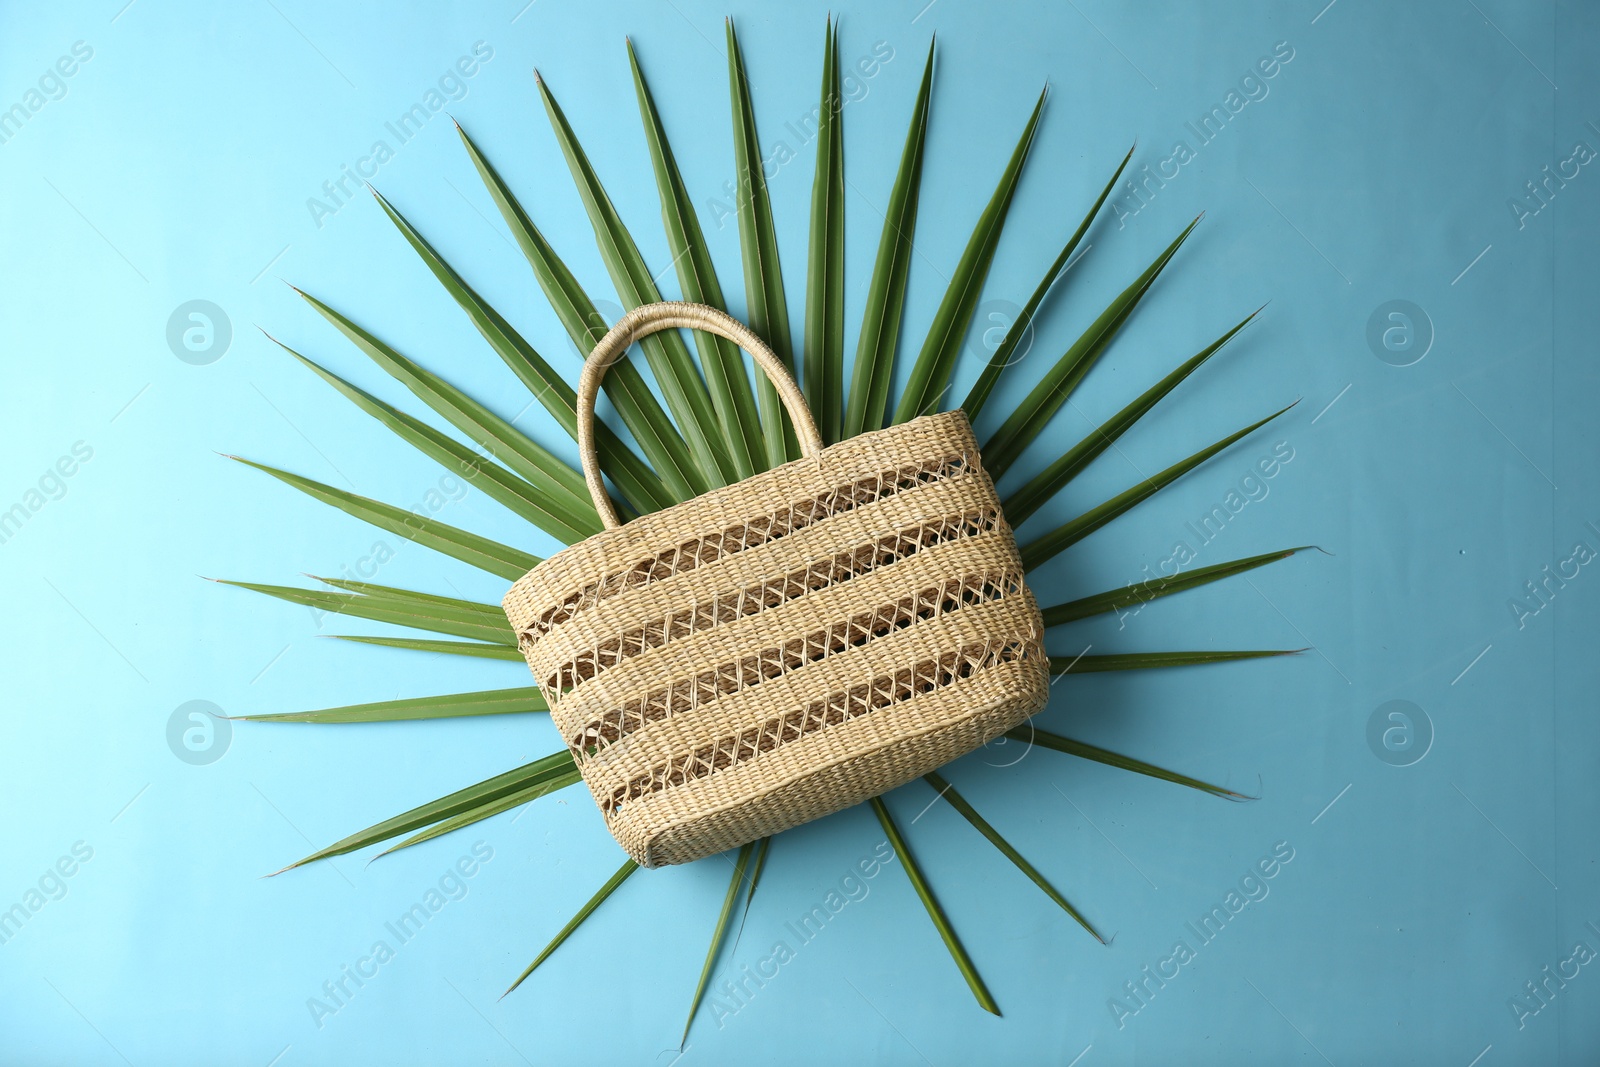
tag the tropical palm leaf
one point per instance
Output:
(1022, 325)
(762, 847)
(555, 771)
(1139, 661)
(1032, 735)
(924, 893)
(725, 373)
(493, 613)
(824, 351)
(475, 649)
(668, 356)
(930, 374)
(1160, 586)
(718, 934)
(483, 811)
(886, 293)
(1036, 552)
(503, 560)
(584, 912)
(668, 475)
(542, 469)
(561, 518)
(969, 813)
(716, 429)
(401, 610)
(1031, 416)
(450, 706)
(1050, 481)
(758, 242)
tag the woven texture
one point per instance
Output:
(788, 646)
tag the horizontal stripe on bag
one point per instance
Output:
(966, 493)
(740, 536)
(884, 691)
(837, 636)
(604, 768)
(750, 600)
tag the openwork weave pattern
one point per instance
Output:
(760, 530)
(837, 636)
(843, 566)
(879, 693)
(788, 646)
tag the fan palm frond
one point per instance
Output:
(716, 428)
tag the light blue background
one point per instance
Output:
(177, 166)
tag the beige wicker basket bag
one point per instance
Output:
(788, 646)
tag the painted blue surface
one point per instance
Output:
(1411, 900)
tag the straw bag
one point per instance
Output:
(785, 647)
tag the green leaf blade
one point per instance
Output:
(485, 811)
(968, 812)
(978, 396)
(529, 460)
(758, 244)
(1030, 734)
(924, 893)
(577, 920)
(1162, 585)
(667, 478)
(516, 701)
(718, 935)
(548, 511)
(873, 374)
(931, 373)
(1041, 487)
(474, 649)
(480, 552)
(1040, 405)
(823, 360)
(755, 879)
(399, 612)
(731, 395)
(1036, 552)
(454, 605)
(557, 766)
(1138, 661)
(547, 386)
(675, 372)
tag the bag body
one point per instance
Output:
(788, 646)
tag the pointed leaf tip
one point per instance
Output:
(941, 923)
(1242, 798)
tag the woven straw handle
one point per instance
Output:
(652, 318)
